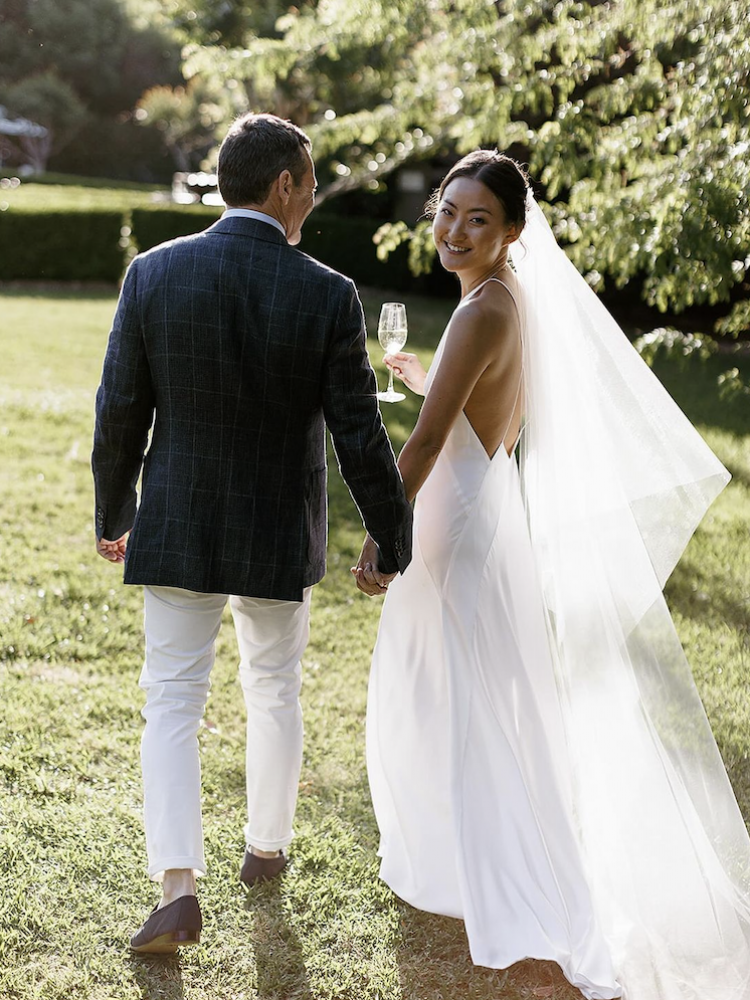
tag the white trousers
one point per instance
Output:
(181, 629)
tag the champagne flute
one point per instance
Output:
(392, 337)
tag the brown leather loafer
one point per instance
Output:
(255, 869)
(176, 924)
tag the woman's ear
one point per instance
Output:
(513, 233)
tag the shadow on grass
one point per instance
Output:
(279, 961)
(713, 603)
(159, 977)
(434, 949)
(693, 385)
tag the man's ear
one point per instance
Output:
(284, 186)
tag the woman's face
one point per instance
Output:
(470, 228)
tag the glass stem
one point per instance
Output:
(390, 380)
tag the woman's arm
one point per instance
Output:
(478, 336)
(476, 339)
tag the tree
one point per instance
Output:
(51, 102)
(76, 65)
(632, 114)
(224, 22)
(187, 117)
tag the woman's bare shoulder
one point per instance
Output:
(498, 294)
(491, 307)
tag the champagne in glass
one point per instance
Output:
(392, 337)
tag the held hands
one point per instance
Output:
(367, 576)
(408, 368)
(112, 551)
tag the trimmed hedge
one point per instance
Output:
(83, 245)
(87, 243)
(345, 244)
(151, 226)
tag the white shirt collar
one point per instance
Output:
(250, 213)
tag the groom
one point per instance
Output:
(243, 348)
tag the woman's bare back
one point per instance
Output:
(479, 374)
(495, 407)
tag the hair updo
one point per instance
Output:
(500, 174)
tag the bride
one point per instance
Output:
(540, 763)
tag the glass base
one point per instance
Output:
(391, 397)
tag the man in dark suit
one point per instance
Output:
(244, 349)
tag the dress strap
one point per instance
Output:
(500, 282)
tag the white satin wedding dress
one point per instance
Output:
(465, 748)
(539, 760)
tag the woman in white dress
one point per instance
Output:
(539, 760)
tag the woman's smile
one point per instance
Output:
(471, 230)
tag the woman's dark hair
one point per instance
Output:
(500, 174)
(255, 151)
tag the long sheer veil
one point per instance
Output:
(615, 482)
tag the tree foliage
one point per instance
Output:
(633, 115)
(187, 117)
(69, 64)
(49, 101)
(223, 22)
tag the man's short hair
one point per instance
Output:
(254, 152)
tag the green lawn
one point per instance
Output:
(72, 882)
(29, 195)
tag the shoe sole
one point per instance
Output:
(167, 944)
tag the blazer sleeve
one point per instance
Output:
(124, 413)
(362, 446)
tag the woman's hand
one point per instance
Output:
(408, 368)
(367, 576)
(113, 551)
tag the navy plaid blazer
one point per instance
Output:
(244, 348)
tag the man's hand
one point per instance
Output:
(367, 576)
(112, 551)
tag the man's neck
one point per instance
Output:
(262, 213)
(265, 209)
